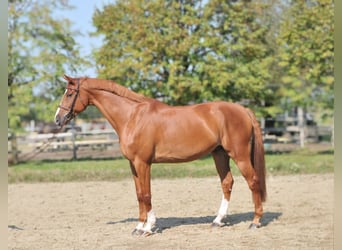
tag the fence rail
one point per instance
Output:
(70, 145)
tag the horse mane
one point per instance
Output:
(117, 89)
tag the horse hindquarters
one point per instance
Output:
(243, 143)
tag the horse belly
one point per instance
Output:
(182, 148)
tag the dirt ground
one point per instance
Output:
(101, 215)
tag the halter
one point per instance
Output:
(71, 114)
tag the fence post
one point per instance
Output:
(74, 147)
(301, 125)
(14, 148)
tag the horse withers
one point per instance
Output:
(153, 132)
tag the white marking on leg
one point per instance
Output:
(140, 226)
(151, 221)
(222, 211)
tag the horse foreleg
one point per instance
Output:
(147, 219)
(221, 159)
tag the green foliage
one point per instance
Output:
(271, 53)
(306, 53)
(41, 49)
(185, 51)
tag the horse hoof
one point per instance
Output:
(216, 225)
(147, 233)
(254, 226)
(140, 232)
(137, 232)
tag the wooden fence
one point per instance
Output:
(63, 146)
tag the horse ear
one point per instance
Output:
(68, 78)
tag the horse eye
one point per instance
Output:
(69, 94)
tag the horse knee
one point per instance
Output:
(145, 198)
(227, 184)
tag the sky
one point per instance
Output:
(81, 17)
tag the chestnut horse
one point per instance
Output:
(153, 132)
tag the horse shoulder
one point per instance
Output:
(137, 137)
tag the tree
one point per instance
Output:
(186, 50)
(41, 49)
(241, 57)
(306, 54)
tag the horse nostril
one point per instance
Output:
(57, 120)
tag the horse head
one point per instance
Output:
(73, 102)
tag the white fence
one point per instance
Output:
(64, 146)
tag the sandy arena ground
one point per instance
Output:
(101, 215)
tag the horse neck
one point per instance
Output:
(115, 102)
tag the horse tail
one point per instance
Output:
(258, 155)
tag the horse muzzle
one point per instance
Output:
(60, 121)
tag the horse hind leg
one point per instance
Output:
(221, 159)
(249, 174)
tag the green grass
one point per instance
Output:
(298, 162)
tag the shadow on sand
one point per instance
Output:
(232, 219)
